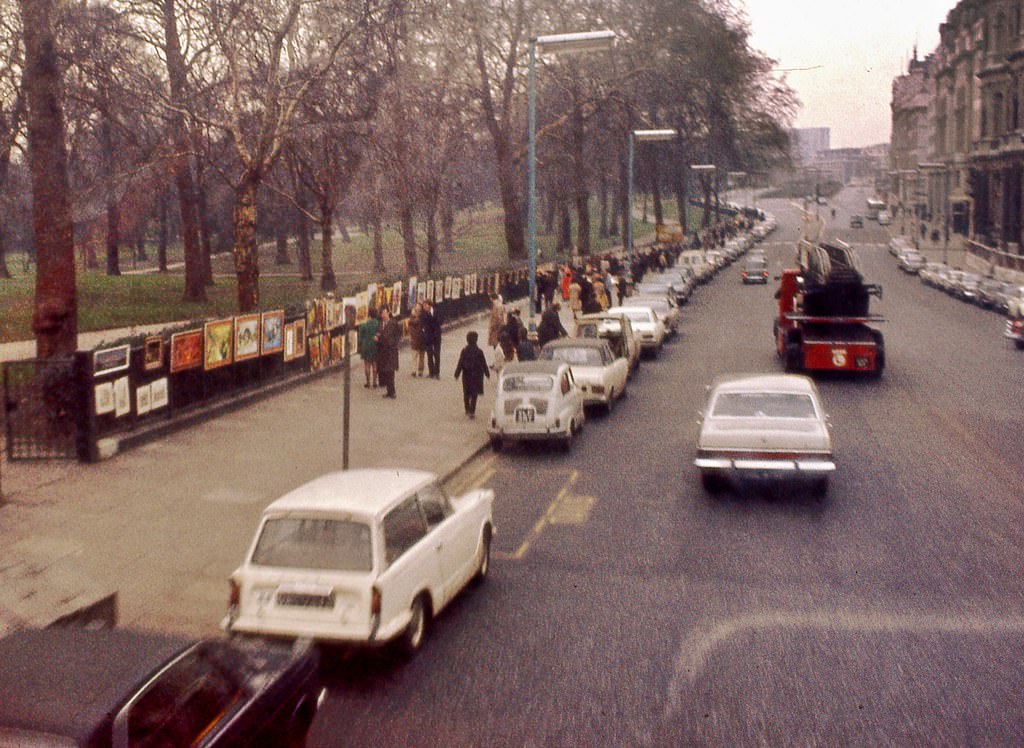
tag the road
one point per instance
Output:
(627, 607)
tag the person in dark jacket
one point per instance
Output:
(388, 338)
(550, 326)
(509, 336)
(473, 368)
(431, 326)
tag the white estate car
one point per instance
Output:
(647, 326)
(600, 375)
(764, 426)
(616, 330)
(536, 400)
(362, 557)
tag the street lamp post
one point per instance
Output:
(586, 41)
(643, 136)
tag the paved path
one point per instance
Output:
(164, 524)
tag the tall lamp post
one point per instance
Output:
(585, 41)
(644, 136)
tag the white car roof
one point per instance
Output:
(366, 492)
(764, 383)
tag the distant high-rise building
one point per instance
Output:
(806, 142)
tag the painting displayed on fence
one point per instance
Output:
(143, 399)
(122, 397)
(110, 359)
(247, 336)
(272, 340)
(153, 353)
(219, 335)
(104, 398)
(186, 350)
(158, 393)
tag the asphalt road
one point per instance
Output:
(627, 607)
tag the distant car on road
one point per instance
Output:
(363, 557)
(755, 270)
(856, 222)
(884, 218)
(119, 687)
(911, 261)
(764, 427)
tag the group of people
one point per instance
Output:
(377, 342)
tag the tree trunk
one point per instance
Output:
(327, 280)
(4, 271)
(508, 182)
(377, 221)
(680, 190)
(161, 246)
(140, 246)
(197, 276)
(432, 245)
(447, 225)
(343, 229)
(550, 210)
(55, 318)
(246, 249)
(409, 241)
(659, 213)
(113, 239)
(281, 240)
(564, 240)
(302, 247)
(602, 229)
(205, 230)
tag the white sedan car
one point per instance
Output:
(361, 557)
(536, 401)
(664, 306)
(764, 426)
(649, 328)
(600, 376)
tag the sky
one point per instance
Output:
(854, 50)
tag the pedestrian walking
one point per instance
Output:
(366, 345)
(419, 353)
(494, 325)
(509, 337)
(550, 326)
(472, 367)
(575, 296)
(388, 338)
(432, 339)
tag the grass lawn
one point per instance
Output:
(106, 302)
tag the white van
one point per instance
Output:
(695, 260)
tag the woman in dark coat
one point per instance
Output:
(473, 368)
(388, 338)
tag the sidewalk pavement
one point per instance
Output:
(164, 524)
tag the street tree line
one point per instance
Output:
(220, 122)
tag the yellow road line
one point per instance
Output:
(545, 520)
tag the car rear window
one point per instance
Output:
(527, 383)
(313, 543)
(763, 405)
(582, 356)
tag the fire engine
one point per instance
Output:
(823, 322)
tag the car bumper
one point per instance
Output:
(321, 631)
(810, 465)
(547, 434)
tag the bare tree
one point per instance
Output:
(55, 320)
(12, 112)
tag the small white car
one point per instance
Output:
(664, 306)
(764, 426)
(536, 401)
(649, 328)
(360, 557)
(616, 330)
(600, 375)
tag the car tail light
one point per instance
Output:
(234, 595)
(597, 389)
(375, 601)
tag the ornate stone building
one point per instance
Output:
(969, 176)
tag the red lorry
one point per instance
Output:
(823, 322)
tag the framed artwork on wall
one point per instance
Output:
(153, 353)
(186, 350)
(109, 360)
(271, 338)
(247, 336)
(219, 336)
(158, 393)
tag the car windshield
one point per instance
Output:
(763, 405)
(637, 315)
(756, 264)
(314, 543)
(582, 356)
(527, 383)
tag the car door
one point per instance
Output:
(449, 532)
(411, 562)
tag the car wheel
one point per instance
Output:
(565, 443)
(496, 443)
(610, 405)
(483, 566)
(820, 487)
(712, 481)
(793, 357)
(415, 632)
(1019, 344)
(879, 354)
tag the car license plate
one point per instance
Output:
(525, 415)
